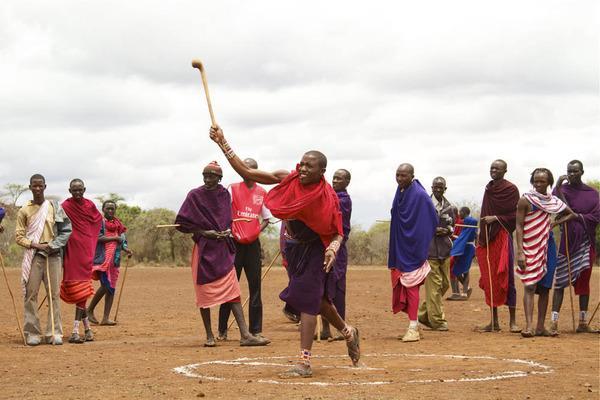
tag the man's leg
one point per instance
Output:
(97, 297)
(55, 267)
(431, 312)
(528, 300)
(253, 270)
(210, 338)
(350, 334)
(31, 321)
(412, 334)
(557, 300)
(247, 339)
(108, 302)
(225, 308)
(544, 294)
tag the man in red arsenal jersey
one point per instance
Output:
(250, 217)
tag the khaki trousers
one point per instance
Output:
(436, 285)
(36, 277)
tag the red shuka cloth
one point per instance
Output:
(500, 199)
(79, 251)
(316, 205)
(499, 259)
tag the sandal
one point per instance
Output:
(353, 344)
(210, 343)
(527, 334)
(297, 371)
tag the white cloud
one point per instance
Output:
(105, 92)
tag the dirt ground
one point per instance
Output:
(160, 330)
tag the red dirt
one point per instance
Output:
(159, 329)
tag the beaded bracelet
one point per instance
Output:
(334, 246)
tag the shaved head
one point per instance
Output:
(322, 160)
(407, 167)
(251, 163)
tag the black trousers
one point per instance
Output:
(247, 257)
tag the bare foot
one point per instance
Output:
(107, 322)
(488, 328)
(514, 328)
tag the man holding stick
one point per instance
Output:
(577, 244)
(310, 209)
(206, 212)
(247, 205)
(495, 253)
(533, 235)
(43, 229)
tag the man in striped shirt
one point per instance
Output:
(533, 229)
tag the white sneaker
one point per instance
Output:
(412, 335)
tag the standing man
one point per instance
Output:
(463, 250)
(206, 213)
(76, 286)
(340, 181)
(581, 235)
(311, 211)
(413, 226)
(247, 205)
(533, 234)
(42, 229)
(107, 261)
(498, 222)
(431, 312)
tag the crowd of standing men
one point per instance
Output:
(432, 243)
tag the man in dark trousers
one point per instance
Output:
(250, 218)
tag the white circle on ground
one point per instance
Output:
(518, 369)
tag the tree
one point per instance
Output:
(111, 196)
(12, 191)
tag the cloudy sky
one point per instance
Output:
(104, 91)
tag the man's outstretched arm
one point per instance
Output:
(257, 175)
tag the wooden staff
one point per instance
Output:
(570, 276)
(49, 294)
(261, 279)
(198, 64)
(319, 327)
(43, 301)
(594, 314)
(13, 300)
(176, 225)
(487, 258)
(467, 226)
(121, 290)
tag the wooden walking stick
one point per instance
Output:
(570, 276)
(13, 300)
(198, 64)
(50, 296)
(487, 258)
(319, 327)
(121, 290)
(43, 301)
(261, 279)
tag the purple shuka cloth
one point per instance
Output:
(341, 261)
(208, 210)
(583, 200)
(414, 220)
(308, 281)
